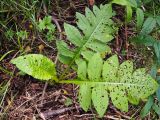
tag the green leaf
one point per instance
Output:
(157, 49)
(100, 99)
(153, 71)
(158, 20)
(64, 49)
(46, 23)
(110, 68)
(87, 54)
(36, 65)
(75, 38)
(132, 99)
(94, 30)
(129, 14)
(146, 1)
(82, 69)
(158, 94)
(118, 97)
(148, 25)
(146, 40)
(95, 67)
(147, 107)
(85, 96)
(121, 2)
(139, 18)
(126, 3)
(22, 34)
(156, 108)
(109, 79)
(133, 3)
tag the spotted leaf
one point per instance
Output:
(36, 65)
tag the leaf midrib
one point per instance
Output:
(79, 82)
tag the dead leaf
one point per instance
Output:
(28, 49)
(41, 47)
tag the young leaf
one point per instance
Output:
(36, 65)
(140, 17)
(97, 29)
(148, 25)
(129, 14)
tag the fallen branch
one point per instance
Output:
(48, 114)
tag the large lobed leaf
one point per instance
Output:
(36, 65)
(96, 29)
(109, 79)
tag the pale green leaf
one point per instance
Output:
(64, 59)
(85, 96)
(64, 49)
(118, 97)
(100, 99)
(119, 82)
(73, 34)
(97, 46)
(94, 30)
(82, 69)
(95, 67)
(87, 54)
(126, 68)
(132, 99)
(90, 16)
(36, 65)
(110, 68)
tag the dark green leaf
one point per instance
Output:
(140, 17)
(153, 71)
(158, 20)
(148, 25)
(147, 107)
(156, 108)
(158, 94)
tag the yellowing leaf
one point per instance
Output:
(36, 65)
